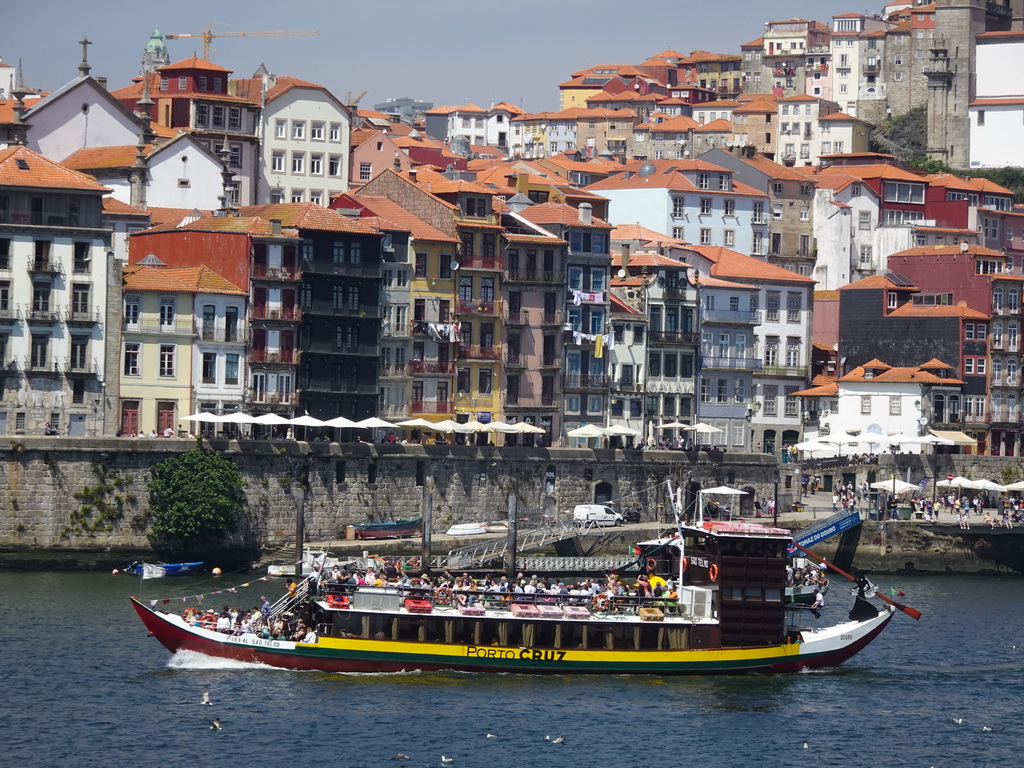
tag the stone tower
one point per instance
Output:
(950, 71)
(156, 54)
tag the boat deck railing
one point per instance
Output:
(600, 605)
(548, 532)
(290, 602)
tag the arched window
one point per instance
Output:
(939, 407)
(954, 407)
(997, 298)
(997, 335)
(1012, 301)
(1011, 337)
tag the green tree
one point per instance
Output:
(196, 499)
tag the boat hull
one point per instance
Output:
(817, 648)
(400, 529)
(167, 569)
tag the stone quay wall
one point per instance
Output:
(84, 493)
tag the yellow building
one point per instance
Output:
(159, 333)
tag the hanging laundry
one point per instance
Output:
(599, 347)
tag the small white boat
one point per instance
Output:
(467, 529)
(309, 558)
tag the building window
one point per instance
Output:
(209, 368)
(166, 314)
(705, 206)
(277, 162)
(705, 236)
(678, 207)
(316, 131)
(235, 155)
(334, 166)
(335, 132)
(182, 83)
(770, 396)
(316, 164)
(865, 405)
(729, 207)
(167, 360)
(895, 405)
(298, 162)
(771, 305)
(729, 238)
(365, 171)
(132, 358)
(280, 129)
(792, 403)
(298, 129)
(231, 369)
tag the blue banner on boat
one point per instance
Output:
(828, 530)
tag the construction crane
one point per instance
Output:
(208, 34)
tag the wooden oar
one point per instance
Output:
(907, 609)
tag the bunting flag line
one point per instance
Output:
(200, 598)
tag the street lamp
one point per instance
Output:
(894, 448)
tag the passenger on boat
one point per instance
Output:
(224, 623)
(293, 588)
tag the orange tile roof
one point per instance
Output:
(114, 206)
(715, 126)
(448, 110)
(757, 106)
(877, 282)
(775, 171)
(946, 250)
(872, 171)
(640, 259)
(308, 216)
(677, 124)
(987, 185)
(395, 213)
(41, 172)
(159, 215)
(959, 310)
(728, 263)
(193, 62)
(935, 363)
(618, 306)
(896, 375)
(178, 280)
(254, 226)
(828, 389)
(842, 116)
(560, 213)
(95, 158)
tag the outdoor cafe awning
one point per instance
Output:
(958, 437)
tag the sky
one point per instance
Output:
(441, 51)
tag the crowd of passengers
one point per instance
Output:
(810, 575)
(258, 622)
(465, 590)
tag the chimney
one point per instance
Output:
(412, 175)
(275, 226)
(586, 213)
(101, 82)
(625, 256)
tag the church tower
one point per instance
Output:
(156, 54)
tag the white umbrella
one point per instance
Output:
(477, 426)
(701, 428)
(203, 416)
(929, 440)
(306, 421)
(895, 486)
(340, 422)
(374, 423)
(452, 426)
(530, 429)
(956, 482)
(724, 490)
(237, 418)
(508, 429)
(1018, 486)
(587, 430)
(674, 425)
(417, 422)
(270, 419)
(620, 431)
(988, 485)
(810, 446)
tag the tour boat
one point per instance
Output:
(728, 616)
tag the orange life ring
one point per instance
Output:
(686, 564)
(713, 571)
(208, 621)
(600, 603)
(414, 562)
(338, 601)
(443, 595)
(651, 563)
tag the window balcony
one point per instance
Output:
(515, 360)
(535, 402)
(479, 353)
(41, 366)
(274, 398)
(43, 316)
(346, 310)
(788, 371)
(81, 366)
(275, 356)
(732, 363)
(517, 317)
(42, 266)
(479, 308)
(671, 338)
(340, 385)
(539, 277)
(82, 317)
(551, 318)
(275, 314)
(222, 335)
(321, 347)
(9, 315)
(431, 367)
(431, 406)
(586, 381)
(276, 274)
(324, 267)
(482, 262)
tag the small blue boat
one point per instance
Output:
(159, 570)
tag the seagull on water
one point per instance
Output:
(958, 721)
(447, 760)
(492, 735)
(215, 725)
(206, 698)
(986, 728)
(806, 745)
(559, 740)
(400, 756)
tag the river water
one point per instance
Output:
(86, 686)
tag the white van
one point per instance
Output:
(596, 513)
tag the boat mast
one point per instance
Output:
(676, 501)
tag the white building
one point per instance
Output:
(219, 352)
(304, 143)
(845, 216)
(690, 200)
(997, 112)
(799, 138)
